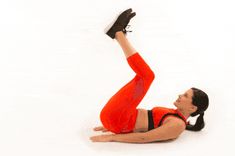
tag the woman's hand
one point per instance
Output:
(102, 138)
(100, 128)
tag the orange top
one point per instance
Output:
(161, 113)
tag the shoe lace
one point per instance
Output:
(125, 31)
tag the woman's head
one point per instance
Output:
(184, 102)
(201, 100)
(195, 102)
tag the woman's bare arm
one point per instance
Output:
(169, 130)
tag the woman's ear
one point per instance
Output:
(193, 108)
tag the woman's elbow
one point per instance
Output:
(176, 135)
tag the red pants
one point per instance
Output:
(120, 113)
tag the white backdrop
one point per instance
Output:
(58, 69)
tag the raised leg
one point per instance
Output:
(125, 44)
(119, 114)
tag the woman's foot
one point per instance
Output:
(121, 23)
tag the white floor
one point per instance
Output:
(58, 69)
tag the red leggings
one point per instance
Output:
(120, 113)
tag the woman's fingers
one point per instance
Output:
(101, 138)
(99, 128)
(105, 130)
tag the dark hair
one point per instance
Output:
(201, 100)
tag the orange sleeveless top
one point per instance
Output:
(159, 114)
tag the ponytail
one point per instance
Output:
(201, 101)
(198, 125)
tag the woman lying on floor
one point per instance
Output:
(132, 125)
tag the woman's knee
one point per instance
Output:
(150, 76)
(105, 115)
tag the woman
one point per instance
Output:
(132, 125)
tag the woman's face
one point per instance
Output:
(184, 102)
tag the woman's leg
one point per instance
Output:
(119, 114)
(142, 71)
(124, 43)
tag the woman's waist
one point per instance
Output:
(141, 121)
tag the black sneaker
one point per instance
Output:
(121, 23)
(126, 25)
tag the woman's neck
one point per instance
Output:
(184, 113)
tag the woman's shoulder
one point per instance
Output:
(174, 119)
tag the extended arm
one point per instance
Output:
(169, 130)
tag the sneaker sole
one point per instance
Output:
(109, 26)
